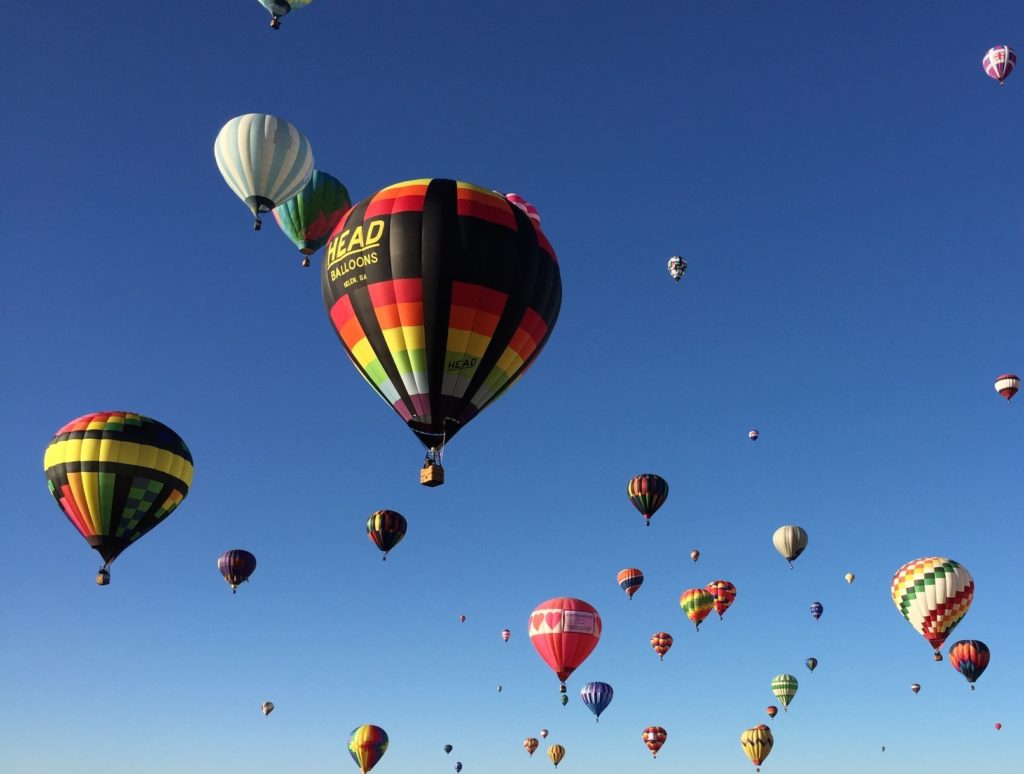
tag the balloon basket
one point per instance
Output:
(432, 474)
(103, 577)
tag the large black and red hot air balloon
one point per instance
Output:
(443, 294)
(648, 493)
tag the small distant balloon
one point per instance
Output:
(817, 609)
(695, 554)
(883, 748)
(998, 726)
(654, 737)
(386, 529)
(999, 62)
(543, 733)
(648, 493)
(849, 577)
(753, 435)
(784, 687)
(630, 580)
(811, 663)
(505, 634)
(772, 710)
(236, 566)
(267, 707)
(448, 748)
(697, 604)
(597, 697)
(564, 699)
(676, 267)
(915, 687)
(1007, 385)
(790, 541)
(367, 746)
(724, 594)
(661, 642)
(757, 742)
(970, 658)
(462, 619)
(530, 745)
(555, 753)
(458, 767)
(499, 689)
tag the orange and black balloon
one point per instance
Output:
(386, 529)
(648, 493)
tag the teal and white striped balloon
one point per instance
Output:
(264, 160)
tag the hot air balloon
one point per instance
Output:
(661, 642)
(849, 577)
(310, 216)
(264, 160)
(564, 631)
(772, 710)
(525, 206)
(969, 658)
(367, 746)
(723, 593)
(556, 752)
(499, 689)
(1007, 385)
(386, 529)
(597, 697)
(999, 62)
(915, 687)
(790, 541)
(630, 580)
(817, 609)
(676, 267)
(811, 663)
(697, 604)
(757, 742)
(998, 726)
(933, 594)
(784, 687)
(543, 733)
(236, 566)
(695, 554)
(648, 493)
(531, 745)
(267, 707)
(443, 294)
(458, 767)
(462, 619)
(116, 475)
(448, 748)
(654, 737)
(753, 435)
(564, 698)
(505, 634)
(279, 8)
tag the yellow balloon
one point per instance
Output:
(556, 752)
(757, 742)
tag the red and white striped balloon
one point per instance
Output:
(999, 62)
(1007, 385)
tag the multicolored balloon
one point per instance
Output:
(676, 267)
(999, 62)
(695, 554)
(386, 529)
(661, 642)
(697, 604)
(505, 634)
(757, 742)
(648, 493)
(531, 744)
(597, 697)
(811, 663)
(310, 216)
(264, 160)
(817, 609)
(784, 687)
(772, 710)
(443, 294)
(279, 8)
(367, 745)
(630, 580)
(564, 631)
(1007, 385)
(753, 435)
(236, 566)
(555, 753)
(790, 541)
(970, 658)
(267, 707)
(116, 475)
(724, 594)
(915, 687)
(654, 737)
(933, 594)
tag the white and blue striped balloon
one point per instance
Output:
(264, 160)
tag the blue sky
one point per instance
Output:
(841, 178)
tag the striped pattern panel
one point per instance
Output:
(933, 594)
(263, 159)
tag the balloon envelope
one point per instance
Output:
(811, 663)
(531, 745)
(999, 62)
(697, 604)
(790, 541)
(757, 742)
(661, 642)
(970, 658)
(564, 632)
(724, 594)
(654, 737)
(116, 475)
(309, 217)
(367, 745)
(236, 566)
(442, 294)
(263, 159)
(630, 580)
(267, 707)
(915, 687)
(933, 594)
(386, 529)
(1007, 385)
(772, 710)
(817, 609)
(556, 752)
(648, 493)
(784, 687)
(597, 697)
